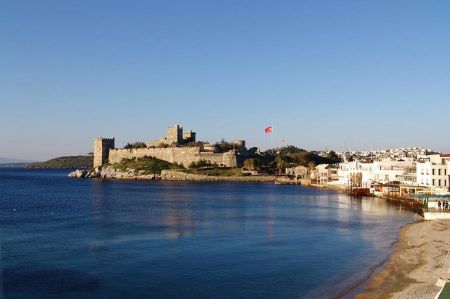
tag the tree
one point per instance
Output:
(356, 179)
(290, 149)
(253, 150)
(138, 144)
(252, 164)
(203, 164)
(224, 146)
(333, 158)
(281, 162)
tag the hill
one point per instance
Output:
(78, 162)
(13, 165)
(4, 160)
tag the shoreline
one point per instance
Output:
(415, 265)
(410, 271)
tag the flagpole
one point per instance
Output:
(271, 137)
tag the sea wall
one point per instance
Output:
(180, 155)
(172, 175)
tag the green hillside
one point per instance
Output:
(78, 162)
(149, 165)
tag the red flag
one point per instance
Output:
(268, 130)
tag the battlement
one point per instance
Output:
(105, 138)
(184, 148)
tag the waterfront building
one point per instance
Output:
(377, 172)
(433, 171)
(348, 170)
(299, 172)
(325, 174)
(392, 171)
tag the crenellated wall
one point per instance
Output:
(180, 155)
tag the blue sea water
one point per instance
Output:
(75, 238)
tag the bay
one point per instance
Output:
(80, 238)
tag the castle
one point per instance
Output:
(172, 148)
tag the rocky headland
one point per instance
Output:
(112, 173)
(109, 172)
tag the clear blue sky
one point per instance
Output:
(325, 74)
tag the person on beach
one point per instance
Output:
(439, 205)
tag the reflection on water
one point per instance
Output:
(115, 239)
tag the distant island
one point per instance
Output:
(68, 162)
(13, 165)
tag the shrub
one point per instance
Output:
(138, 144)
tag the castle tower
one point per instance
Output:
(175, 135)
(239, 144)
(189, 136)
(101, 150)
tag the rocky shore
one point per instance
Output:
(420, 259)
(166, 175)
(111, 173)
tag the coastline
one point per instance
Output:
(415, 265)
(167, 175)
(412, 269)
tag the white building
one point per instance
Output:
(378, 172)
(300, 172)
(390, 171)
(346, 170)
(325, 174)
(433, 171)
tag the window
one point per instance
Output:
(439, 172)
(432, 172)
(439, 183)
(445, 182)
(432, 182)
(445, 171)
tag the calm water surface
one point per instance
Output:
(68, 238)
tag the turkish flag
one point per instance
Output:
(268, 130)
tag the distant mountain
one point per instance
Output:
(76, 162)
(13, 165)
(4, 160)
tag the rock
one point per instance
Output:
(78, 174)
(93, 174)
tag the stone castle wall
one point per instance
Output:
(173, 175)
(101, 150)
(180, 155)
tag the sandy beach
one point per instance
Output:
(416, 264)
